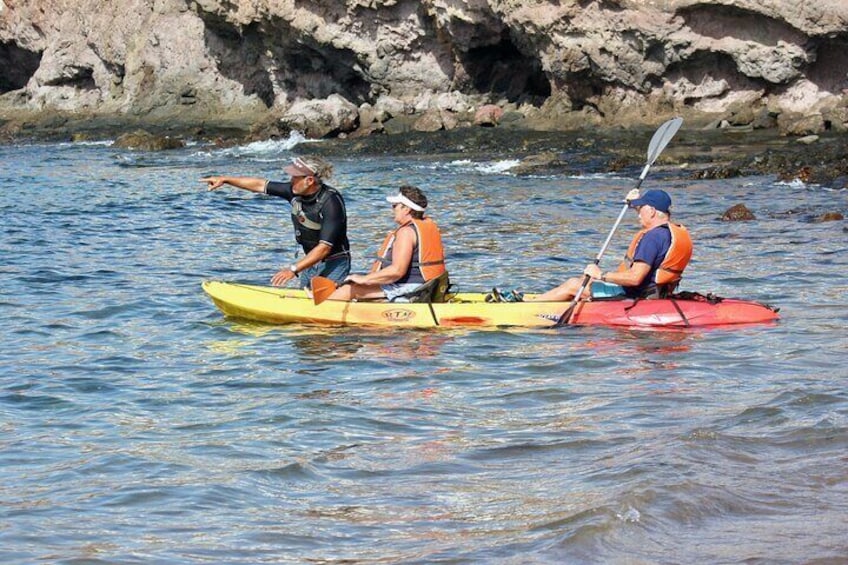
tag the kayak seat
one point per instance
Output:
(434, 290)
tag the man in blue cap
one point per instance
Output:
(654, 262)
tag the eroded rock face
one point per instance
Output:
(610, 61)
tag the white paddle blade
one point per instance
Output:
(660, 139)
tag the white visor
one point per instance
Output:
(401, 199)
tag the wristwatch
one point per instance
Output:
(293, 268)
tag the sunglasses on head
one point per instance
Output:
(300, 163)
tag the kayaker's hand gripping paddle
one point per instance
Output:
(658, 142)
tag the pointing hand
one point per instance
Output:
(213, 183)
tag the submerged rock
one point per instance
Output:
(145, 141)
(717, 172)
(543, 163)
(830, 217)
(738, 213)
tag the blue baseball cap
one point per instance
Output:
(658, 199)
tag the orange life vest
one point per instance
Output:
(676, 258)
(428, 263)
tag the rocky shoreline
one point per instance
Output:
(697, 152)
(761, 85)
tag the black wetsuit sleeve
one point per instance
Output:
(334, 224)
(281, 189)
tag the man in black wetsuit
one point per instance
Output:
(319, 217)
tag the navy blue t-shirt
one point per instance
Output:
(651, 250)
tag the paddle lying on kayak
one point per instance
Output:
(658, 142)
(322, 288)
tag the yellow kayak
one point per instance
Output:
(287, 306)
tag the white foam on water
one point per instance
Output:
(505, 166)
(795, 183)
(294, 139)
(497, 167)
(629, 515)
(265, 150)
(101, 143)
(485, 167)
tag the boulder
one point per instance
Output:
(830, 217)
(388, 107)
(450, 120)
(764, 119)
(399, 124)
(430, 120)
(322, 118)
(370, 129)
(836, 118)
(803, 174)
(369, 115)
(800, 125)
(738, 213)
(488, 115)
(716, 172)
(141, 140)
(370, 121)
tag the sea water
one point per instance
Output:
(139, 425)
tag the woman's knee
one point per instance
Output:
(344, 292)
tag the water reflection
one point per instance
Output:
(641, 352)
(339, 343)
(378, 345)
(393, 445)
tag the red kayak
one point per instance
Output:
(694, 310)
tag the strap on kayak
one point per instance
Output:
(635, 302)
(673, 302)
(433, 313)
(680, 311)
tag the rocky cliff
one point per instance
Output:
(346, 66)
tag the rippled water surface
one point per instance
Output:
(140, 426)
